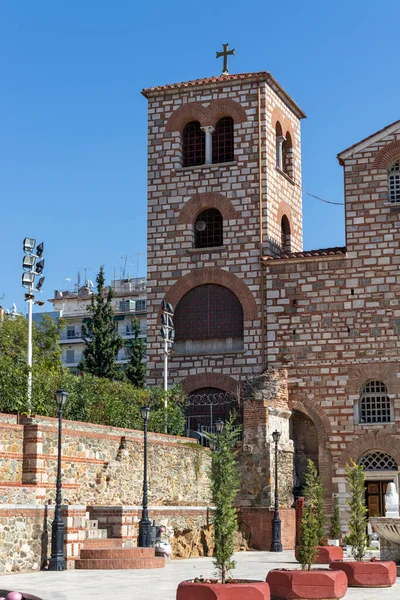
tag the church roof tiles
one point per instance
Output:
(260, 76)
(338, 250)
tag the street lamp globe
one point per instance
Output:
(219, 425)
(145, 412)
(276, 435)
(61, 398)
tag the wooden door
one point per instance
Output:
(375, 492)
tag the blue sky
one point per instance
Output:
(73, 122)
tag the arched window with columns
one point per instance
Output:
(193, 145)
(287, 155)
(223, 141)
(279, 139)
(208, 319)
(209, 229)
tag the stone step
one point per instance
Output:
(102, 543)
(120, 563)
(120, 553)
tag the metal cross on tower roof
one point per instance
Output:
(225, 53)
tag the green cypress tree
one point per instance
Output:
(335, 531)
(135, 370)
(310, 527)
(358, 511)
(225, 480)
(102, 341)
(321, 516)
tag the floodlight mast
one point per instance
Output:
(168, 336)
(28, 282)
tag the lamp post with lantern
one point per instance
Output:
(276, 544)
(144, 523)
(57, 559)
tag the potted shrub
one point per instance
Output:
(335, 532)
(325, 553)
(362, 573)
(308, 582)
(225, 484)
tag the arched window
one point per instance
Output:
(209, 229)
(287, 155)
(378, 461)
(285, 233)
(279, 141)
(222, 141)
(374, 403)
(194, 145)
(394, 182)
(208, 318)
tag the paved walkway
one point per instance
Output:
(158, 584)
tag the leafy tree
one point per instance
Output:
(46, 359)
(310, 528)
(102, 340)
(357, 537)
(225, 480)
(135, 370)
(335, 531)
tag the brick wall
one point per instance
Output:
(176, 195)
(256, 525)
(333, 321)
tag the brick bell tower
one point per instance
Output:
(224, 189)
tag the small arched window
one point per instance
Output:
(394, 182)
(279, 141)
(374, 404)
(378, 461)
(209, 229)
(287, 155)
(194, 145)
(222, 141)
(285, 233)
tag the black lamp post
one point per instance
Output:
(57, 559)
(144, 523)
(276, 544)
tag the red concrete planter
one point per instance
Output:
(326, 554)
(248, 590)
(307, 585)
(367, 574)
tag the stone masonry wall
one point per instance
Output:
(333, 322)
(103, 465)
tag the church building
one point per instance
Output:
(225, 248)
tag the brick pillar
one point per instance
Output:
(33, 468)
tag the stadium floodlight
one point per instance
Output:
(29, 244)
(40, 284)
(28, 262)
(28, 279)
(40, 266)
(40, 250)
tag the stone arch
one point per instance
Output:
(191, 111)
(286, 126)
(371, 441)
(220, 277)
(196, 204)
(387, 156)
(322, 425)
(225, 108)
(385, 372)
(228, 384)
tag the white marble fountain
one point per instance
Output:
(388, 526)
